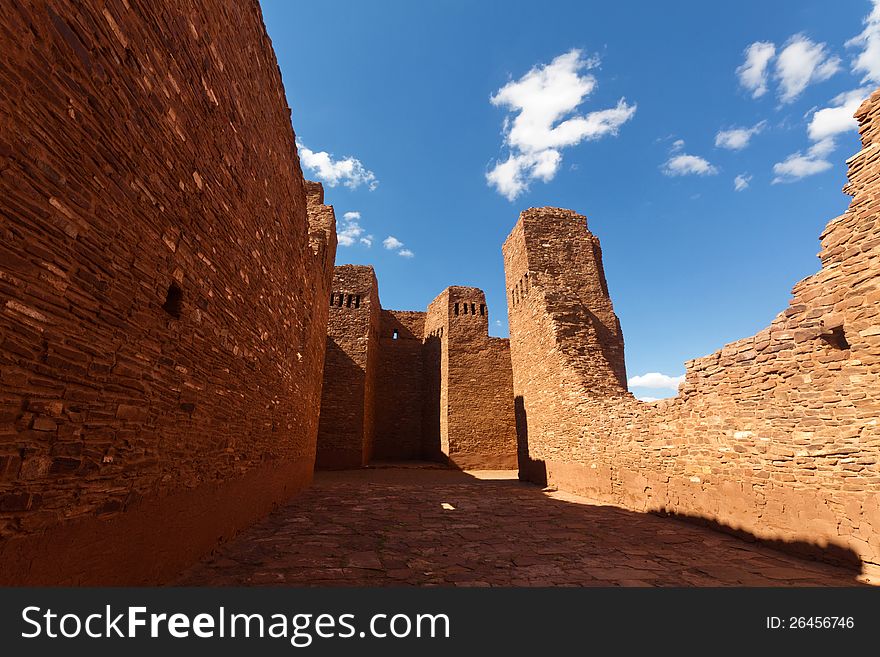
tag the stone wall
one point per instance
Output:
(436, 358)
(775, 435)
(442, 388)
(400, 389)
(477, 428)
(160, 345)
(345, 434)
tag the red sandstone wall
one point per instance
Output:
(477, 428)
(776, 435)
(436, 427)
(146, 147)
(322, 240)
(481, 403)
(433, 354)
(564, 336)
(442, 389)
(346, 426)
(400, 386)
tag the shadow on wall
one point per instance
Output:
(535, 471)
(431, 447)
(573, 321)
(457, 529)
(340, 441)
(529, 468)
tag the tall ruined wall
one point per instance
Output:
(565, 339)
(775, 435)
(159, 358)
(323, 242)
(346, 427)
(552, 249)
(441, 387)
(436, 359)
(400, 386)
(477, 424)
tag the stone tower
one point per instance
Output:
(552, 257)
(469, 417)
(565, 340)
(345, 438)
(405, 385)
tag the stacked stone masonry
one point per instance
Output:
(162, 314)
(775, 435)
(346, 426)
(405, 385)
(177, 351)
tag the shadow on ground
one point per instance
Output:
(424, 526)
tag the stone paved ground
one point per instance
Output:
(419, 526)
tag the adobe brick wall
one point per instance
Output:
(345, 434)
(147, 148)
(775, 435)
(442, 389)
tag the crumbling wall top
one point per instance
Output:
(868, 116)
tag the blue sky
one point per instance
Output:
(705, 144)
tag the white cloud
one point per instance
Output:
(800, 63)
(825, 124)
(349, 231)
(803, 62)
(511, 177)
(685, 164)
(799, 165)
(646, 398)
(391, 243)
(753, 72)
(349, 171)
(677, 145)
(655, 380)
(741, 182)
(838, 118)
(348, 235)
(545, 101)
(867, 61)
(736, 139)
